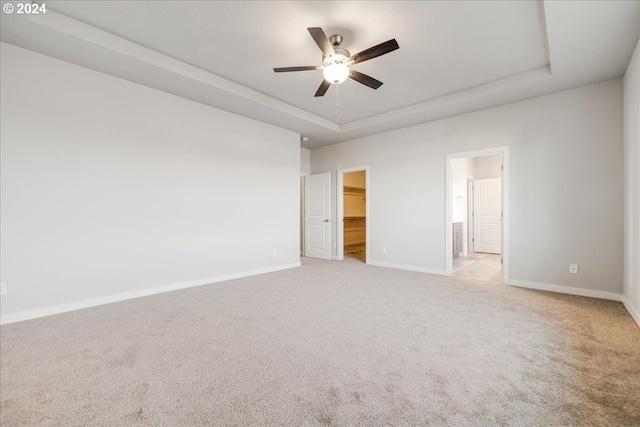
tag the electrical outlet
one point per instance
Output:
(384, 249)
(275, 252)
(3, 288)
(573, 268)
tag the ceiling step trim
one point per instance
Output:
(104, 39)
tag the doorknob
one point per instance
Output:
(327, 220)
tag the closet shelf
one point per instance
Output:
(354, 217)
(354, 191)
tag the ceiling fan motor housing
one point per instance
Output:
(341, 55)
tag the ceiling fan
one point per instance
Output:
(336, 61)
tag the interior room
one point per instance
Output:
(477, 217)
(320, 213)
(354, 218)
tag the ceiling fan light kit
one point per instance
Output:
(336, 73)
(336, 61)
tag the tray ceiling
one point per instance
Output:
(454, 57)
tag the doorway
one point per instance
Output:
(302, 198)
(353, 214)
(477, 215)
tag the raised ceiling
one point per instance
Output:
(454, 56)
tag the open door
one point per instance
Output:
(487, 225)
(317, 235)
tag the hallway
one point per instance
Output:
(479, 266)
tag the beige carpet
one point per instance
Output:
(331, 343)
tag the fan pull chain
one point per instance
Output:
(337, 99)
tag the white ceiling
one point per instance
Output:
(454, 56)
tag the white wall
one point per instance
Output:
(566, 180)
(305, 160)
(632, 184)
(111, 188)
(462, 170)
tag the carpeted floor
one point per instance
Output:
(331, 343)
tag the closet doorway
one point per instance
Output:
(353, 211)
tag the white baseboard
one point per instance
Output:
(632, 311)
(565, 289)
(580, 292)
(78, 305)
(63, 308)
(408, 268)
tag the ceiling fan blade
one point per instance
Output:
(322, 41)
(287, 69)
(324, 86)
(365, 80)
(375, 51)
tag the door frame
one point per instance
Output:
(340, 211)
(448, 247)
(469, 231)
(302, 225)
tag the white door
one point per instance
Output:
(487, 214)
(317, 235)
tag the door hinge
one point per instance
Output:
(501, 261)
(473, 239)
